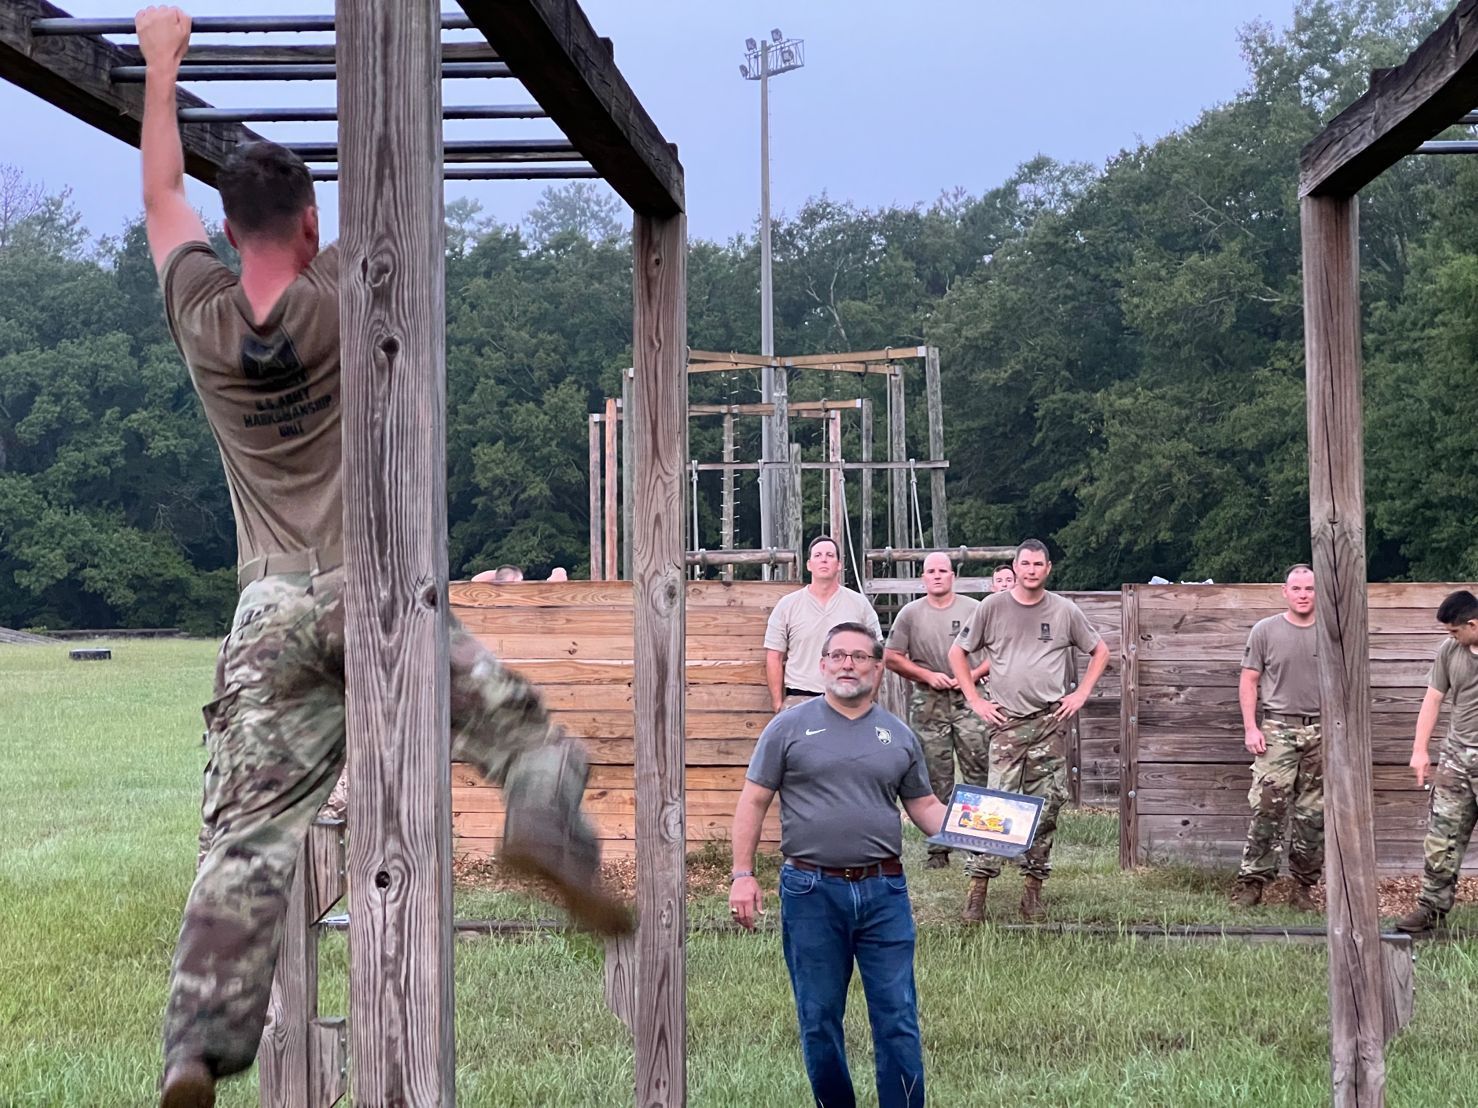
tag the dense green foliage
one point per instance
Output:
(1122, 354)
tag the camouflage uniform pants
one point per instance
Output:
(1450, 820)
(1029, 756)
(275, 734)
(1290, 770)
(947, 729)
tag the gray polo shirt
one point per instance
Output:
(839, 781)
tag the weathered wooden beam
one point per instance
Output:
(799, 407)
(934, 398)
(836, 516)
(958, 554)
(1429, 92)
(898, 456)
(865, 509)
(660, 428)
(726, 531)
(71, 72)
(613, 488)
(733, 359)
(827, 367)
(1129, 727)
(774, 557)
(597, 524)
(1331, 270)
(569, 70)
(392, 317)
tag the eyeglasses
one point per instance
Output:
(856, 657)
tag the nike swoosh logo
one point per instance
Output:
(815, 732)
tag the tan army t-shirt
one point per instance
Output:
(270, 392)
(1288, 659)
(1456, 671)
(1029, 647)
(924, 633)
(798, 626)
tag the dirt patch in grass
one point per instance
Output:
(708, 875)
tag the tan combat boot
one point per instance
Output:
(1420, 918)
(188, 1085)
(1031, 900)
(1302, 898)
(975, 900)
(938, 861)
(1247, 894)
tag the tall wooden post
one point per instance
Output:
(898, 476)
(934, 396)
(795, 518)
(779, 481)
(613, 552)
(1129, 727)
(837, 518)
(392, 239)
(660, 431)
(597, 525)
(727, 534)
(865, 509)
(1331, 267)
(628, 474)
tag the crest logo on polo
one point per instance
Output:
(884, 735)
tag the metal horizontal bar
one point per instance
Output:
(329, 115)
(495, 173)
(291, 54)
(310, 71)
(714, 467)
(217, 24)
(1462, 146)
(465, 150)
(1471, 117)
(956, 553)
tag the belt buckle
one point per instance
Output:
(853, 873)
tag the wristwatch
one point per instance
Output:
(738, 873)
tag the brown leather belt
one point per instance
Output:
(314, 560)
(1292, 718)
(892, 867)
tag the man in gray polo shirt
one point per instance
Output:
(841, 764)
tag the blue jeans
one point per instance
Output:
(826, 922)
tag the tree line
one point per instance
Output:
(1121, 348)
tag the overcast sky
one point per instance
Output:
(896, 104)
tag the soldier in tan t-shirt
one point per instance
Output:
(800, 622)
(1028, 635)
(1280, 667)
(918, 651)
(263, 352)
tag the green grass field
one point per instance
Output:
(99, 806)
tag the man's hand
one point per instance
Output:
(1070, 705)
(987, 710)
(744, 902)
(942, 681)
(164, 36)
(1420, 762)
(1254, 741)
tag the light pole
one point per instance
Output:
(762, 60)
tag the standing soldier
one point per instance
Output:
(1454, 807)
(1282, 663)
(918, 650)
(1028, 635)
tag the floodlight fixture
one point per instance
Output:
(744, 71)
(775, 35)
(750, 44)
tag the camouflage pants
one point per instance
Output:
(275, 734)
(1029, 756)
(1450, 820)
(1291, 769)
(947, 729)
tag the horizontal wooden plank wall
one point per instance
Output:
(573, 639)
(1094, 739)
(1191, 775)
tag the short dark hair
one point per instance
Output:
(1294, 568)
(859, 628)
(811, 546)
(1008, 568)
(264, 188)
(1457, 608)
(508, 573)
(1034, 544)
